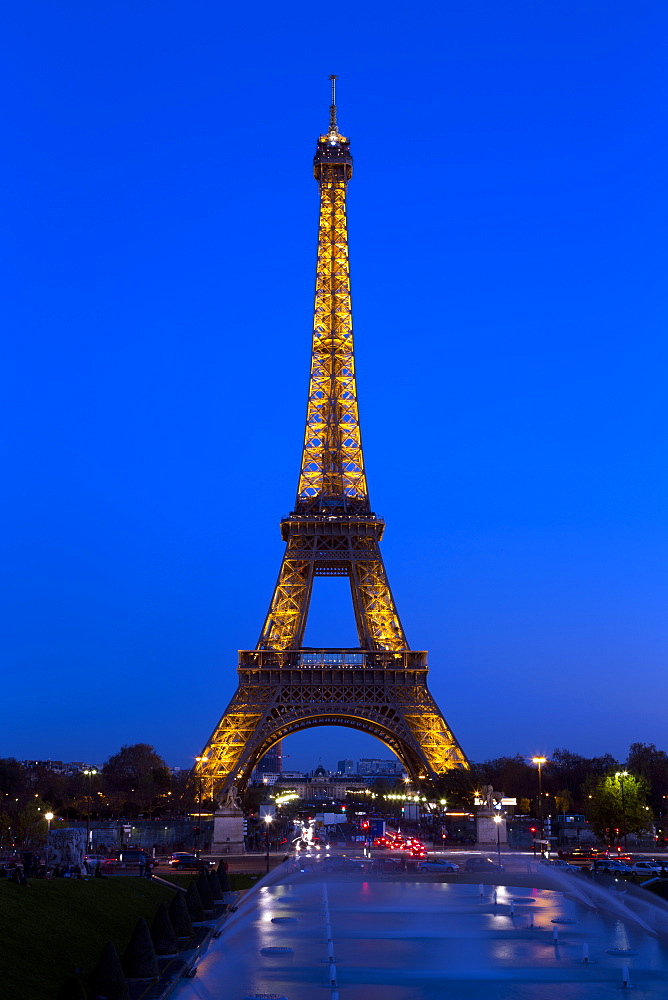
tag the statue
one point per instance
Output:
(66, 847)
(491, 797)
(232, 798)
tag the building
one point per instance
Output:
(372, 767)
(346, 767)
(320, 786)
(270, 764)
(58, 766)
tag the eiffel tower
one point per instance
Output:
(379, 688)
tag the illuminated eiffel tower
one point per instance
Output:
(379, 688)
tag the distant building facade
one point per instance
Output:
(270, 764)
(58, 766)
(373, 767)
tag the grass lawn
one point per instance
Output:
(182, 879)
(50, 928)
(242, 880)
(238, 880)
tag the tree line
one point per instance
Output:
(134, 782)
(616, 797)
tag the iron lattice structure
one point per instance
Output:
(380, 688)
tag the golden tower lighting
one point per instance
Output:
(380, 687)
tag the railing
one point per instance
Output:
(346, 659)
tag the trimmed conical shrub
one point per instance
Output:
(180, 917)
(72, 989)
(139, 960)
(162, 933)
(205, 892)
(216, 887)
(108, 981)
(223, 877)
(194, 904)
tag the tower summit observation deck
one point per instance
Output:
(381, 686)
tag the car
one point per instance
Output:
(417, 852)
(647, 867)
(93, 861)
(611, 866)
(342, 864)
(559, 863)
(387, 865)
(438, 865)
(133, 857)
(181, 860)
(582, 856)
(329, 863)
(480, 864)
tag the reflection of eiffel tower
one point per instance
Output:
(380, 688)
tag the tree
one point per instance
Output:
(457, 787)
(618, 805)
(135, 777)
(652, 764)
(510, 775)
(571, 772)
(563, 801)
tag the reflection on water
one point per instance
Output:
(408, 940)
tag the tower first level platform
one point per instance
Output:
(382, 693)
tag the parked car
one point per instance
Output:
(191, 862)
(387, 865)
(341, 864)
(438, 865)
(563, 866)
(133, 858)
(647, 867)
(91, 861)
(329, 863)
(611, 866)
(480, 864)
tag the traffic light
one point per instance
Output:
(195, 829)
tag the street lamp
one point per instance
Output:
(498, 821)
(621, 775)
(267, 820)
(48, 817)
(200, 760)
(443, 804)
(540, 761)
(90, 772)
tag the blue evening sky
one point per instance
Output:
(507, 221)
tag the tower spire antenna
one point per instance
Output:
(332, 108)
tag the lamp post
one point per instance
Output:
(621, 775)
(200, 761)
(267, 821)
(540, 761)
(48, 817)
(90, 772)
(498, 821)
(443, 804)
